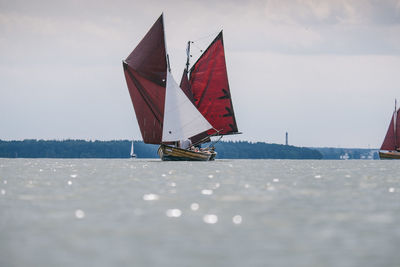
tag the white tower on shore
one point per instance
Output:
(287, 141)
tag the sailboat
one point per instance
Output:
(390, 148)
(133, 155)
(179, 118)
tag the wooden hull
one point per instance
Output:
(389, 155)
(170, 153)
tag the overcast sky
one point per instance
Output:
(325, 71)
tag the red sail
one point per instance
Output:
(390, 141)
(145, 73)
(185, 86)
(210, 88)
(397, 132)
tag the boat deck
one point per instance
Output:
(170, 153)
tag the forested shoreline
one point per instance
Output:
(121, 149)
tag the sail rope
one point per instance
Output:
(195, 43)
(207, 137)
(207, 36)
(198, 47)
(214, 142)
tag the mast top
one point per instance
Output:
(188, 56)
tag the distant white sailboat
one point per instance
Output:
(133, 155)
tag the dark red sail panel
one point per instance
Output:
(149, 56)
(210, 88)
(148, 100)
(389, 143)
(145, 72)
(397, 132)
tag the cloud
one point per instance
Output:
(319, 27)
(294, 27)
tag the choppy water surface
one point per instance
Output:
(57, 212)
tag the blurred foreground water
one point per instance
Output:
(79, 212)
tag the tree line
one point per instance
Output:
(121, 149)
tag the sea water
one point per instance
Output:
(79, 212)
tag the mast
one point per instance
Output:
(188, 57)
(184, 84)
(165, 44)
(395, 124)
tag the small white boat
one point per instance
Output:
(133, 155)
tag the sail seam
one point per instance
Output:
(145, 96)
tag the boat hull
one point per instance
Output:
(170, 153)
(389, 155)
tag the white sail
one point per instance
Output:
(182, 120)
(133, 155)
